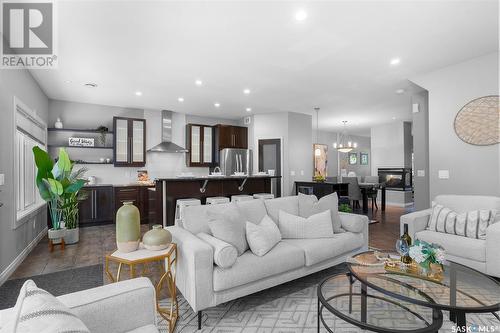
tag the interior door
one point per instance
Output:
(270, 159)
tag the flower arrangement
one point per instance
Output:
(426, 254)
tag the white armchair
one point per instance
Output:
(475, 253)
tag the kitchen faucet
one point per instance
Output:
(215, 170)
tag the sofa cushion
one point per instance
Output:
(229, 226)
(36, 310)
(225, 254)
(318, 250)
(310, 205)
(470, 248)
(252, 210)
(287, 204)
(262, 237)
(250, 267)
(195, 218)
(472, 224)
(315, 226)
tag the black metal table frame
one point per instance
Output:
(457, 313)
(437, 315)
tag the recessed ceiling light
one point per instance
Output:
(216, 105)
(395, 61)
(301, 15)
(246, 91)
(393, 118)
(68, 81)
(400, 91)
(90, 85)
(180, 99)
(248, 109)
(198, 82)
(138, 93)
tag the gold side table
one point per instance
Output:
(144, 257)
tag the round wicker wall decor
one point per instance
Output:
(478, 122)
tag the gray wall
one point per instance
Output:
(473, 169)
(21, 84)
(300, 148)
(420, 129)
(390, 146)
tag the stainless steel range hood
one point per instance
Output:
(166, 145)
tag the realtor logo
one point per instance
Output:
(28, 35)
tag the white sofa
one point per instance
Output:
(112, 308)
(479, 254)
(204, 285)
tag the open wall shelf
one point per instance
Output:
(81, 130)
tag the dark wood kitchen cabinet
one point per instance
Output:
(138, 195)
(228, 136)
(98, 207)
(200, 143)
(129, 147)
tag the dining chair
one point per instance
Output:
(372, 192)
(354, 190)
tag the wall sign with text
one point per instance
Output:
(81, 142)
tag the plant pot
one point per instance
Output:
(128, 227)
(72, 236)
(56, 235)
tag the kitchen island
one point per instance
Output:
(168, 190)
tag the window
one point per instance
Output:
(30, 131)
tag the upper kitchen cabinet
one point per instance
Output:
(227, 136)
(200, 143)
(130, 142)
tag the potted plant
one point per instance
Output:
(57, 184)
(69, 206)
(430, 257)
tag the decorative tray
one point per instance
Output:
(412, 270)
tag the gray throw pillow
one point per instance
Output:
(310, 205)
(229, 226)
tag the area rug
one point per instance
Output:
(289, 308)
(58, 283)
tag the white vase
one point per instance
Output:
(72, 236)
(56, 235)
(58, 123)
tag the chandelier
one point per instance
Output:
(345, 144)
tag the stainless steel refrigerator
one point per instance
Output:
(236, 160)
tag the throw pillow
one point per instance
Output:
(315, 226)
(225, 254)
(229, 226)
(471, 224)
(38, 311)
(310, 205)
(262, 237)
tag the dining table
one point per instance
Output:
(365, 187)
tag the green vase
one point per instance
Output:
(157, 238)
(128, 227)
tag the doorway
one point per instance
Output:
(270, 159)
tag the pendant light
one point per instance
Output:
(317, 151)
(345, 144)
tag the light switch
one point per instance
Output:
(444, 174)
(2, 179)
(420, 173)
(292, 173)
(301, 172)
(415, 108)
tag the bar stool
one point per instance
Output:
(263, 196)
(183, 203)
(241, 197)
(217, 200)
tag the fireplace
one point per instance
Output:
(399, 179)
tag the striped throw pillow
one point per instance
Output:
(471, 224)
(38, 311)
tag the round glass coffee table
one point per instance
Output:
(461, 290)
(346, 298)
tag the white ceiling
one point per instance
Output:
(338, 58)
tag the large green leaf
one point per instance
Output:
(75, 187)
(64, 163)
(43, 163)
(55, 186)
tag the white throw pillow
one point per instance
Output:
(310, 205)
(262, 237)
(225, 254)
(229, 226)
(315, 226)
(38, 311)
(471, 224)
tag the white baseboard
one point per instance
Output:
(19, 259)
(398, 204)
